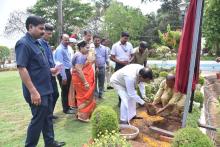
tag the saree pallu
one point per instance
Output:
(84, 98)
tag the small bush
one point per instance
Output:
(156, 71)
(163, 74)
(201, 80)
(192, 118)
(198, 97)
(191, 137)
(112, 139)
(104, 118)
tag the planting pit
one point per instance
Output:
(149, 137)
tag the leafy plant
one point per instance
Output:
(110, 139)
(104, 118)
(191, 137)
(164, 52)
(163, 74)
(156, 71)
(198, 97)
(201, 80)
(192, 118)
(170, 38)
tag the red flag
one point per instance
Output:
(184, 51)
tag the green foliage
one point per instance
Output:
(164, 52)
(74, 13)
(104, 118)
(163, 74)
(192, 118)
(201, 80)
(120, 18)
(191, 137)
(198, 97)
(4, 54)
(150, 33)
(111, 139)
(155, 46)
(170, 38)
(156, 71)
(211, 27)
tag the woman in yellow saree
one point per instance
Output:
(83, 82)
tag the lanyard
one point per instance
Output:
(124, 48)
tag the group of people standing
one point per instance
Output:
(81, 75)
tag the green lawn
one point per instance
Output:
(15, 116)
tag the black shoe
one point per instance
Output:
(70, 111)
(54, 117)
(56, 144)
(109, 87)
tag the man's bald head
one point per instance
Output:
(65, 39)
(170, 77)
(170, 80)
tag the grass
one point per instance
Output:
(15, 116)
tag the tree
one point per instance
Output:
(4, 54)
(169, 13)
(16, 23)
(150, 33)
(95, 23)
(211, 27)
(118, 18)
(75, 14)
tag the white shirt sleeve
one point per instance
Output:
(132, 50)
(130, 86)
(113, 51)
(142, 89)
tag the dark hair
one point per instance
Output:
(124, 34)
(81, 44)
(96, 36)
(143, 44)
(146, 73)
(34, 20)
(48, 27)
(103, 40)
(87, 32)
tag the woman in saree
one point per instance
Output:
(83, 82)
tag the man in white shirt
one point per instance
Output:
(122, 52)
(124, 82)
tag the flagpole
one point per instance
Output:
(192, 60)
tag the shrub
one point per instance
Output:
(201, 80)
(104, 118)
(198, 97)
(111, 139)
(156, 71)
(163, 74)
(191, 137)
(164, 52)
(192, 118)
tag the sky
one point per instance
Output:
(8, 6)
